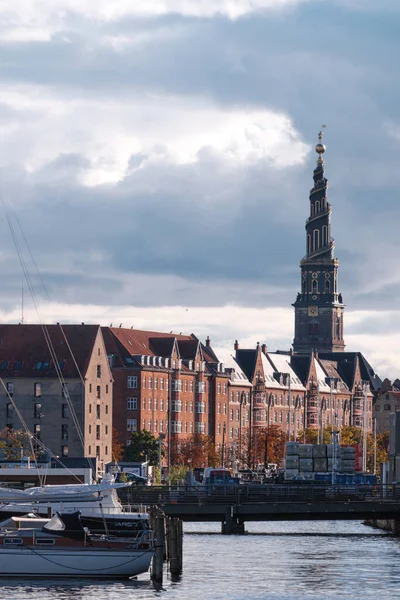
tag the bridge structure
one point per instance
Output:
(234, 505)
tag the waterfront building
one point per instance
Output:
(58, 380)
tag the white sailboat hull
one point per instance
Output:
(83, 563)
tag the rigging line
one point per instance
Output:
(72, 354)
(44, 328)
(30, 252)
(77, 425)
(19, 415)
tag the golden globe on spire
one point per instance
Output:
(320, 148)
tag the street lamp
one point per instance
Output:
(270, 402)
(287, 383)
(223, 444)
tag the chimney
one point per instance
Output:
(264, 349)
(208, 342)
(236, 346)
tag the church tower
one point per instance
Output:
(319, 307)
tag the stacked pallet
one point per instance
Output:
(307, 459)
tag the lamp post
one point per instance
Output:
(223, 444)
(270, 402)
(365, 424)
(287, 383)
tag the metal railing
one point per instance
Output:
(247, 494)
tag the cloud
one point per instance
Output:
(38, 20)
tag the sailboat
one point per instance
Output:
(63, 547)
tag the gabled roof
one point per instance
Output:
(227, 358)
(147, 343)
(247, 361)
(346, 366)
(282, 364)
(332, 370)
(25, 346)
(190, 349)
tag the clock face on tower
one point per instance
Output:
(313, 311)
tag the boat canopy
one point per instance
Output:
(66, 525)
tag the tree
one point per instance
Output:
(15, 443)
(143, 446)
(197, 450)
(265, 444)
(117, 448)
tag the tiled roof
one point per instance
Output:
(149, 343)
(25, 353)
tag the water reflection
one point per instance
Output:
(275, 561)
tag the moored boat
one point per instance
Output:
(64, 548)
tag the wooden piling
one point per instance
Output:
(174, 537)
(158, 558)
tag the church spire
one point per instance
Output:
(319, 305)
(318, 225)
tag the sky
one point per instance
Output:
(156, 158)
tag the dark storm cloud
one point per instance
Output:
(320, 63)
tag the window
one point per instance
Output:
(98, 411)
(97, 432)
(199, 427)
(200, 407)
(149, 401)
(98, 392)
(144, 382)
(90, 408)
(313, 328)
(90, 388)
(106, 429)
(106, 450)
(18, 365)
(37, 390)
(144, 403)
(377, 407)
(132, 381)
(64, 432)
(314, 286)
(98, 451)
(161, 404)
(149, 425)
(176, 426)
(64, 411)
(224, 407)
(155, 425)
(191, 407)
(106, 389)
(106, 409)
(37, 431)
(155, 383)
(225, 388)
(155, 404)
(131, 404)
(90, 429)
(10, 389)
(191, 386)
(150, 380)
(161, 426)
(161, 383)
(231, 432)
(219, 388)
(219, 408)
(98, 371)
(219, 428)
(131, 424)
(176, 385)
(3, 365)
(10, 410)
(201, 387)
(177, 405)
(37, 411)
(186, 385)
(386, 407)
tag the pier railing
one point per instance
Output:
(253, 494)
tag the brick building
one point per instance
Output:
(59, 380)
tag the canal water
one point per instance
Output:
(277, 561)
